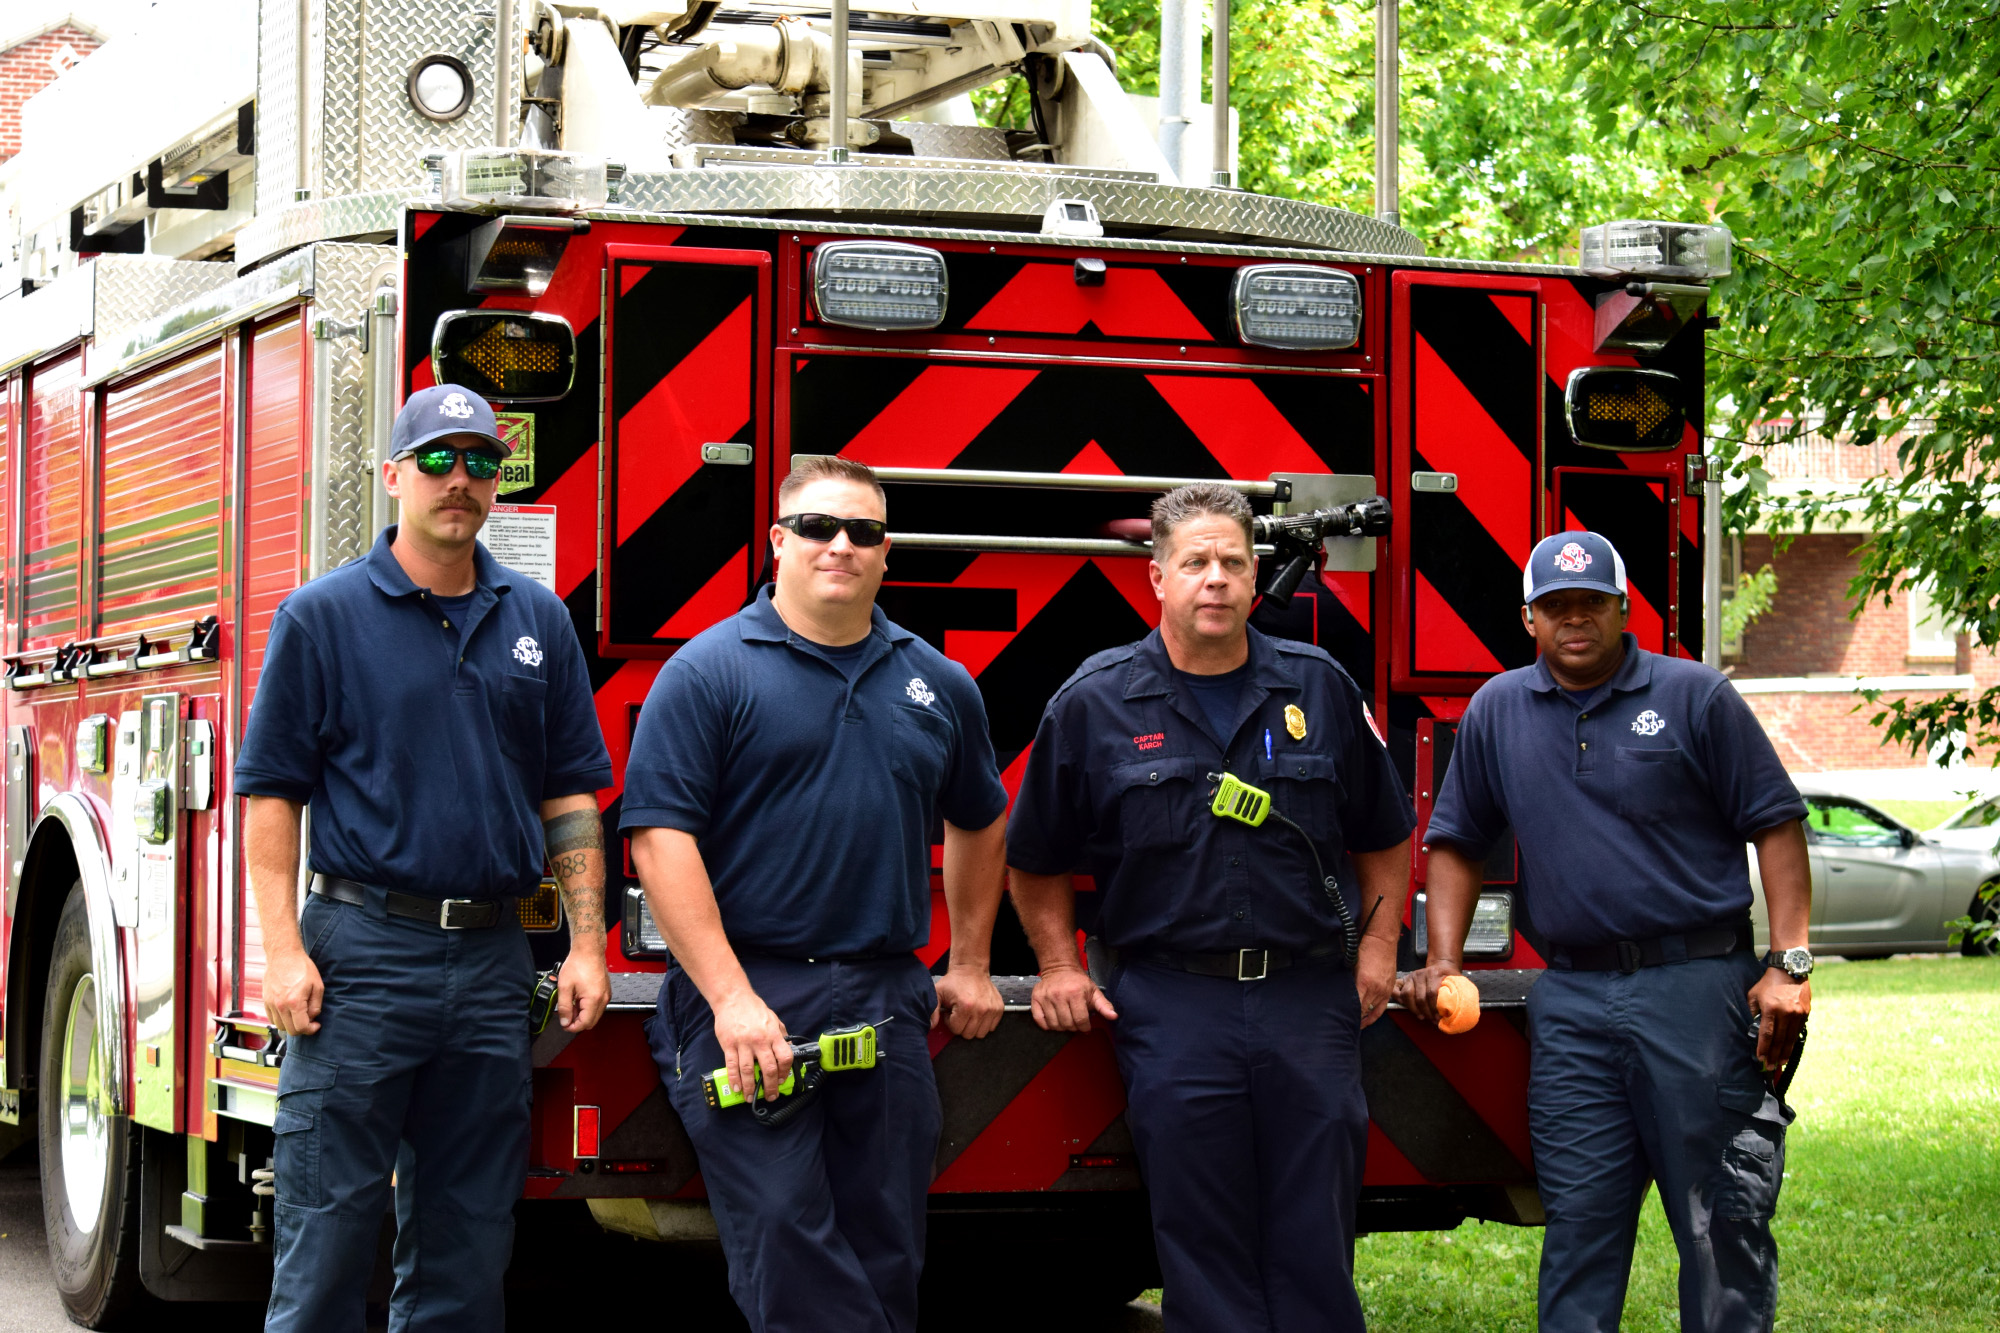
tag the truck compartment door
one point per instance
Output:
(687, 466)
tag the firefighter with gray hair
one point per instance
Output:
(1237, 956)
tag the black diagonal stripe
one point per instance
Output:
(1087, 616)
(1691, 592)
(1334, 416)
(977, 1079)
(835, 397)
(1339, 632)
(652, 1133)
(1064, 408)
(666, 315)
(1424, 1115)
(1204, 290)
(974, 280)
(1632, 517)
(678, 549)
(1115, 1141)
(1484, 350)
(1470, 571)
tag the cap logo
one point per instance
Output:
(920, 692)
(455, 407)
(1572, 559)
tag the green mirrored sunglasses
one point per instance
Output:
(439, 462)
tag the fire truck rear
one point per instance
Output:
(678, 247)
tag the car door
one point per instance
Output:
(1883, 886)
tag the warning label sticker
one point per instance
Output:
(523, 538)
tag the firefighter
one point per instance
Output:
(789, 766)
(1632, 781)
(1223, 951)
(432, 709)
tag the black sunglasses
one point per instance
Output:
(825, 527)
(479, 463)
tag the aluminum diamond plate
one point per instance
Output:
(976, 142)
(970, 191)
(344, 280)
(341, 109)
(392, 138)
(277, 103)
(193, 320)
(356, 215)
(682, 128)
(132, 289)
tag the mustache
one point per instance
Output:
(452, 502)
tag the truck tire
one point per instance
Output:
(1985, 908)
(90, 1158)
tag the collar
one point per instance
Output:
(760, 622)
(386, 572)
(1152, 672)
(1634, 673)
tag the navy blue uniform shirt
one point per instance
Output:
(424, 750)
(1631, 812)
(1117, 787)
(811, 790)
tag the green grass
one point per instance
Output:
(1921, 814)
(1892, 1187)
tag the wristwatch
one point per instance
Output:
(1794, 963)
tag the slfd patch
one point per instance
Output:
(1649, 723)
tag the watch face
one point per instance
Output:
(1798, 962)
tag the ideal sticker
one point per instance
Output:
(518, 430)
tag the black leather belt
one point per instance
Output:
(1236, 965)
(445, 914)
(1629, 956)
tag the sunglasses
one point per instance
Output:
(825, 527)
(479, 464)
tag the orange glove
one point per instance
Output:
(1457, 1005)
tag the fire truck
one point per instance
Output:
(677, 247)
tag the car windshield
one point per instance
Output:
(1848, 824)
(1983, 815)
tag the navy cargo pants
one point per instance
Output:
(1245, 1104)
(822, 1218)
(420, 1066)
(1653, 1076)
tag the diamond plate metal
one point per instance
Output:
(279, 230)
(684, 128)
(287, 279)
(344, 279)
(277, 103)
(975, 142)
(969, 192)
(391, 137)
(132, 289)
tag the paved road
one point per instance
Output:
(630, 1280)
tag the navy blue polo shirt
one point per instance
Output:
(811, 782)
(1117, 787)
(1631, 810)
(425, 749)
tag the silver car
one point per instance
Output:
(1880, 887)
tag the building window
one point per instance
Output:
(1933, 638)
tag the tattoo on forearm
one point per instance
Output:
(574, 844)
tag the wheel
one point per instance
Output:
(1985, 909)
(90, 1158)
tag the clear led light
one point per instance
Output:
(440, 87)
(530, 179)
(1492, 933)
(1296, 307)
(881, 285)
(639, 936)
(1636, 248)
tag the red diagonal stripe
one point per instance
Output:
(1235, 422)
(1132, 303)
(1062, 1110)
(1455, 434)
(704, 398)
(1488, 1066)
(1444, 641)
(1386, 1164)
(574, 494)
(931, 422)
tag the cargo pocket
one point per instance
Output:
(521, 722)
(302, 1085)
(1753, 1160)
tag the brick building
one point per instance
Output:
(37, 43)
(1802, 664)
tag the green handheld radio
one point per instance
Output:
(1238, 800)
(838, 1050)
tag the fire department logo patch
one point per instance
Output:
(1649, 723)
(920, 692)
(527, 652)
(1572, 559)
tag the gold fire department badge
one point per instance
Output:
(1295, 722)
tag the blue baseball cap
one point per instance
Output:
(1573, 560)
(440, 411)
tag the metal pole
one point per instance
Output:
(1180, 79)
(1219, 98)
(1388, 104)
(836, 150)
(1711, 566)
(503, 73)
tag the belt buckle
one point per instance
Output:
(1629, 957)
(1243, 957)
(444, 912)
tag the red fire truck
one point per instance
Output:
(1028, 350)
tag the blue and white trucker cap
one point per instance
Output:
(441, 411)
(1573, 560)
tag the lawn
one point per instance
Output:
(1922, 814)
(1891, 1207)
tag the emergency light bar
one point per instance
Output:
(529, 179)
(1296, 307)
(1625, 410)
(882, 285)
(1673, 250)
(638, 935)
(508, 356)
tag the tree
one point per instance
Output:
(1851, 148)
